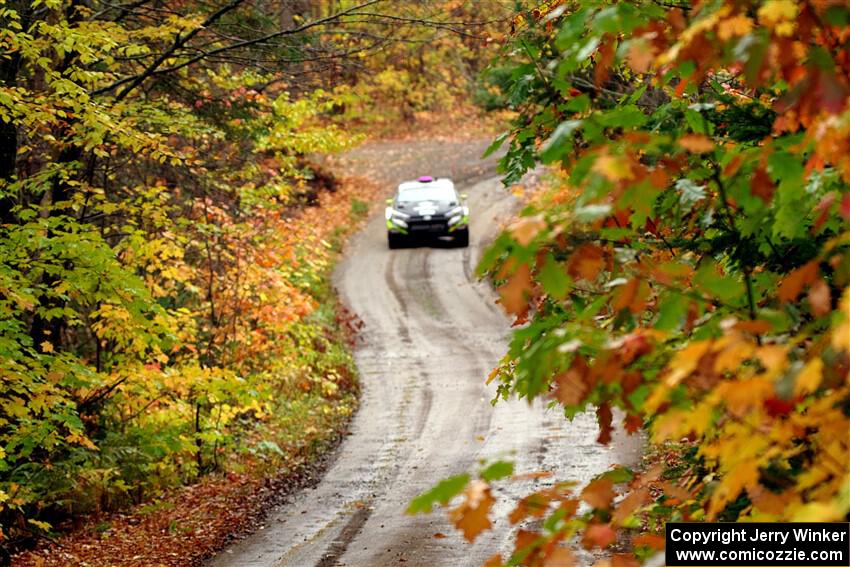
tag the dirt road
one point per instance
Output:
(432, 334)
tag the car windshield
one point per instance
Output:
(432, 193)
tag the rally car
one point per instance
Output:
(427, 207)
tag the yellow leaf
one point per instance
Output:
(818, 512)
(737, 26)
(46, 346)
(809, 377)
(612, 168)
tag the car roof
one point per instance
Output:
(440, 182)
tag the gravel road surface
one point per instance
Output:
(432, 334)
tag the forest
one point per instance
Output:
(169, 226)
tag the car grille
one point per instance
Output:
(428, 226)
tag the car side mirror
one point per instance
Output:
(389, 201)
(464, 196)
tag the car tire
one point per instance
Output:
(394, 240)
(462, 238)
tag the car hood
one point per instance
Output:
(422, 208)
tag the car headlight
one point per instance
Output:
(396, 217)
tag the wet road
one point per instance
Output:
(432, 333)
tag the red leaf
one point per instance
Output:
(605, 418)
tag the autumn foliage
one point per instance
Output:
(687, 273)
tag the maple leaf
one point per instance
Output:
(613, 168)
(586, 262)
(514, 294)
(599, 535)
(599, 493)
(794, 282)
(640, 56)
(471, 516)
(735, 26)
(809, 378)
(572, 386)
(525, 229)
(631, 296)
(628, 505)
(761, 186)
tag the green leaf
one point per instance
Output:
(497, 143)
(442, 493)
(497, 471)
(554, 278)
(559, 142)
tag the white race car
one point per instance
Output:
(427, 207)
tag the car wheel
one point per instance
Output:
(394, 240)
(462, 238)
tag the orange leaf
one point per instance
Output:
(495, 561)
(560, 557)
(572, 386)
(623, 560)
(629, 504)
(631, 296)
(514, 294)
(640, 56)
(756, 327)
(649, 540)
(525, 229)
(794, 282)
(599, 535)
(820, 299)
(599, 493)
(696, 143)
(471, 516)
(586, 262)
